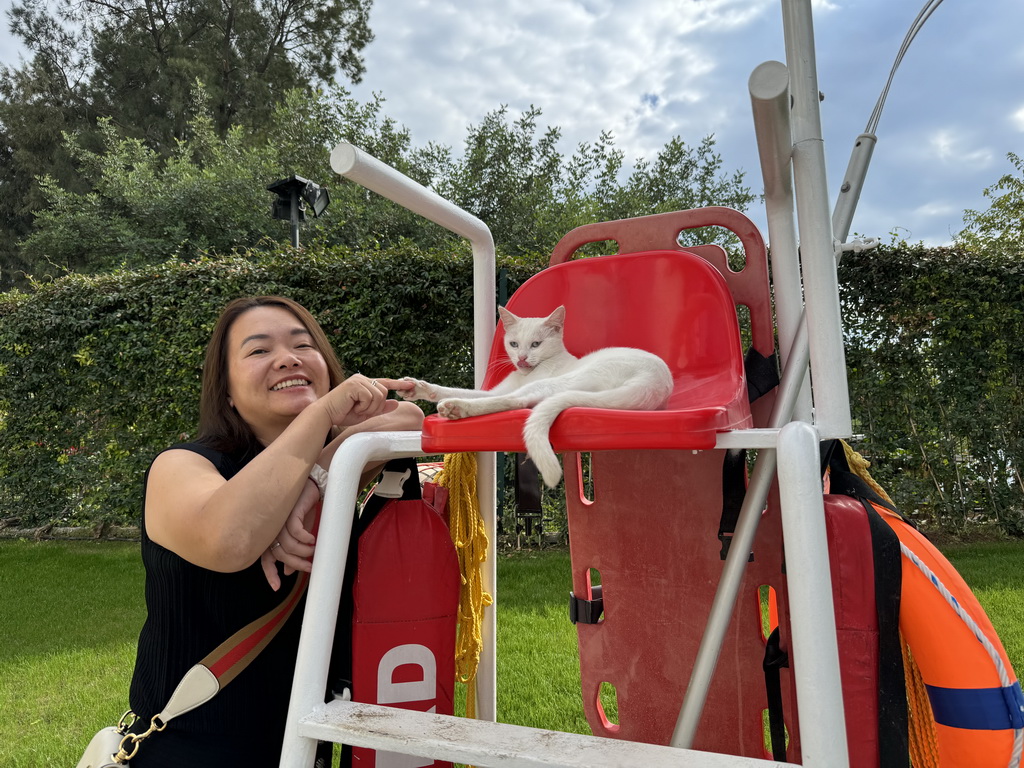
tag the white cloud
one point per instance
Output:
(936, 208)
(1017, 119)
(955, 147)
(590, 65)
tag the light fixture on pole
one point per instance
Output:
(296, 195)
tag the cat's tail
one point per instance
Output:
(538, 426)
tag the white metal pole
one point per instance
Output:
(769, 89)
(724, 602)
(853, 185)
(769, 99)
(815, 648)
(355, 164)
(821, 288)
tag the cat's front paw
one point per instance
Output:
(454, 408)
(420, 390)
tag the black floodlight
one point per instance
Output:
(296, 195)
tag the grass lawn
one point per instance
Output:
(71, 612)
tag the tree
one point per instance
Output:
(529, 195)
(210, 193)
(1000, 229)
(136, 62)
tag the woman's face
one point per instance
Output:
(274, 370)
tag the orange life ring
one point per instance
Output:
(976, 699)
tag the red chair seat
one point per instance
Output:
(672, 303)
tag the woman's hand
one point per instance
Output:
(357, 399)
(295, 543)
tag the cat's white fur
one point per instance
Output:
(549, 379)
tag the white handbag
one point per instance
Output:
(104, 748)
(115, 745)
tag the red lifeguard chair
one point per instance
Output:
(650, 524)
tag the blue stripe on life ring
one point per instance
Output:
(980, 709)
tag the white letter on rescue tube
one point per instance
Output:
(390, 692)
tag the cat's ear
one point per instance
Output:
(556, 319)
(507, 318)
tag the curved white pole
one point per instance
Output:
(362, 168)
(353, 163)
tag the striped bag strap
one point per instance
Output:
(222, 665)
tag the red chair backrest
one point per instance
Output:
(671, 303)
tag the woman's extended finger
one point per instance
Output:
(269, 564)
(398, 385)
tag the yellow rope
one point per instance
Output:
(470, 539)
(924, 748)
(859, 466)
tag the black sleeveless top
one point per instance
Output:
(192, 610)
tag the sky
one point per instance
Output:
(650, 70)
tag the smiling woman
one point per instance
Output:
(274, 370)
(227, 521)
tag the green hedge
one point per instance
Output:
(935, 355)
(100, 373)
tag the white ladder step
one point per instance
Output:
(497, 745)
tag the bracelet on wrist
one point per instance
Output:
(319, 476)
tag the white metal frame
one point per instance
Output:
(792, 156)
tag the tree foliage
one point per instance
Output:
(529, 194)
(135, 61)
(210, 194)
(999, 230)
(135, 64)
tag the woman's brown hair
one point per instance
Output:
(220, 426)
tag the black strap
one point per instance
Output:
(893, 717)
(734, 488)
(762, 375)
(774, 660)
(587, 611)
(844, 482)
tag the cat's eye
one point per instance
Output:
(514, 344)
(535, 344)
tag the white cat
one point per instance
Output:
(549, 379)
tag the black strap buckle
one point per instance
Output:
(726, 539)
(586, 611)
